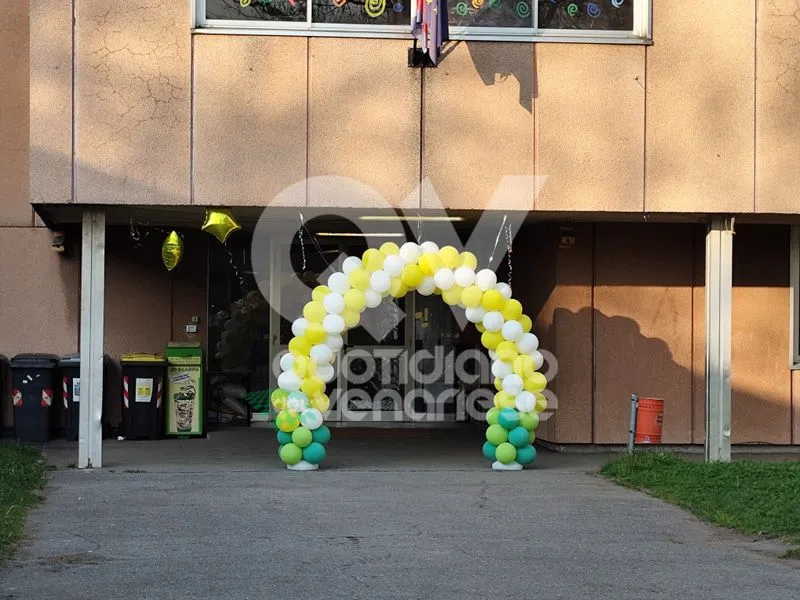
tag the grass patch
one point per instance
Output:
(760, 497)
(22, 476)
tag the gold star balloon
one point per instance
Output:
(220, 223)
(172, 251)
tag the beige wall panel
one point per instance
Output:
(700, 120)
(250, 121)
(14, 113)
(590, 126)
(189, 292)
(699, 339)
(760, 376)
(643, 326)
(133, 96)
(478, 128)
(364, 124)
(777, 107)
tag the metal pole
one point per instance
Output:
(632, 426)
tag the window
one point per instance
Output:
(794, 298)
(549, 20)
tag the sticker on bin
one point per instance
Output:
(47, 397)
(183, 376)
(76, 389)
(16, 397)
(144, 390)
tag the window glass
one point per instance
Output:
(490, 13)
(362, 12)
(610, 15)
(257, 10)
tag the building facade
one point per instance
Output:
(624, 146)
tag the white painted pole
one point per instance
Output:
(719, 292)
(93, 255)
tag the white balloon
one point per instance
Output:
(333, 303)
(501, 368)
(504, 289)
(334, 342)
(492, 321)
(525, 401)
(372, 298)
(512, 384)
(444, 279)
(350, 264)
(428, 247)
(485, 279)
(326, 373)
(338, 283)
(538, 360)
(289, 381)
(321, 354)
(393, 265)
(492, 355)
(299, 327)
(333, 324)
(287, 361)
(294, 403)
(426, 286)
(311, 418)
(380, 281)
(528, 343)
(512, 331)
(464, 276)
(409, 252)
(475, 315)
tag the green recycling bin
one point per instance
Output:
(142, 396)
(185, 409)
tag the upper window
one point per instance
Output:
(612, 20)
(794, 297)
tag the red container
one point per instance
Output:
(649, 421)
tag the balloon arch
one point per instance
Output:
(394, 271)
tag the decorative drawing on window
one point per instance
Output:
(362, 12)
(491, 13)
(603, 15)
(257, 10)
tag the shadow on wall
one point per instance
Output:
(496, 62)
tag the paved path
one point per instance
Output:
(193, 526)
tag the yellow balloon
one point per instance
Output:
(471, 296)
(172, 250)
(498, 384)
(354, 300)
(372, 260)
(397, 289)
(220, 223)
(500, 399)
(301, 365)
(315, 333)
(536, 382)
(523, 366)
(468, 259)
(351, 318)
(453, 295)
(492, 300)
(512, 310)
(390, 248)
(449, 256)
(320, 292)
(506, 351)
(312, 385)
(412, 276)
(320, 401)
(541, 402)
(359, 279)
(507, 401)
(287, 421)
(490, 339)
(430, 263)
(526, 323)
(314, 312)
(480, 327)
(299, 346)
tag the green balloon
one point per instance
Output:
(492, 414)
(506, 453)
(529, 421)
(508, 418)
(526, 455)
(302, 437)
(531, 437)
(291, 454)
(489, 450)
(496, 434)
(518, 437)
(321, 435)
(284, 438)
(277, 395)
(314, 453)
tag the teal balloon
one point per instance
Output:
(321, 435)
(518, 437)
(284, 438)
(291, 454)
(508, 418)
(526, 455)
(496, 434)
(314, 453)
(506, 453)
(490, 450)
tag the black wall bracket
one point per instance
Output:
(417, 59)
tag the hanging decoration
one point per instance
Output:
(430, 27)
(393, 271)
(220, 223)
(172, 250)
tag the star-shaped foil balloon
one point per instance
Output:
(220, 223)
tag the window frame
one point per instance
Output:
(641, 34)
(794, 297)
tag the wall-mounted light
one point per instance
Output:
(350, 234)
(428, 218)
(58, 241)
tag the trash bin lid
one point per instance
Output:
(34, 361)
(70, 360)
(142, 358)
